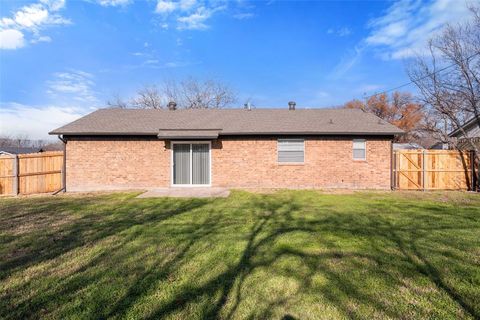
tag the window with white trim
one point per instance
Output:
(359, 149)
(291, 150)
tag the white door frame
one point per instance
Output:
(172, 184)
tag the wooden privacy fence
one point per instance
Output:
(31, 173)
(433, 170)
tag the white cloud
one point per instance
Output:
(187, 14)
(403, 31)
(244, 16)
(54, 5)
(11, 39)
(341, 32)
(31, 16)
(172, 64)
(113, 3)
(347, 62)
(35, 121)
(42, 39)
(187, 4)
(164, 7)
(35, 16)
(407, 25)
(151, 61)
(197, 20)
(75, 84)
(31, 19)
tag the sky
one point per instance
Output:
(60, 60)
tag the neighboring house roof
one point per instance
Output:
(409, 146)
(228, 122)
(471, 127)
(19, 150)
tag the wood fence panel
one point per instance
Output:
(40, 172)
(448, 170)
(37, 173)
(409, 170)
(432, 170)
(7, 177)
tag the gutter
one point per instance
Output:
(226, 133)
(64, 169)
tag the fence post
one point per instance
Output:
(15, 174)
(391, 167)
(423, 169)
(394, 168)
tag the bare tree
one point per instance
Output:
(117, 102)
(448, 79)
(190, 93)
(22, 140)
(194, 94)
(148, 97)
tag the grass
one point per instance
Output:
(286, 255)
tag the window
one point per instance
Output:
(291, 150)
(359, 149)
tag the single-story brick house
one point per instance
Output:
(235, 148)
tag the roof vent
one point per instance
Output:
(248, 106)
(172, 105)
(291, 105)
(331, 121)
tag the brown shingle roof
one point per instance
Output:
(229, 122)
(188, 134)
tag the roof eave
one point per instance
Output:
(386, 133)
(102, 133)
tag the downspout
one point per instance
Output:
(64, 169)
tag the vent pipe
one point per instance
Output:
(291, 105)
(172, 105)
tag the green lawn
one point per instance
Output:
(287, 255)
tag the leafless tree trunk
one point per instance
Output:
(449, 80)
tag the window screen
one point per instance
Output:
(359, 149)
(291, 150)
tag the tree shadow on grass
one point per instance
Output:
(273, 222)
(225, 289)
(390, 252)
(419, 261)
(97, 222)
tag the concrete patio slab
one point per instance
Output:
(193, 192)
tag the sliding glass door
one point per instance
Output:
(191, 163)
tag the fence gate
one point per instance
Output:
(31, 173)
(433, 170)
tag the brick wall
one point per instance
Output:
(127, 163)
(328, 164)
(116, 163)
